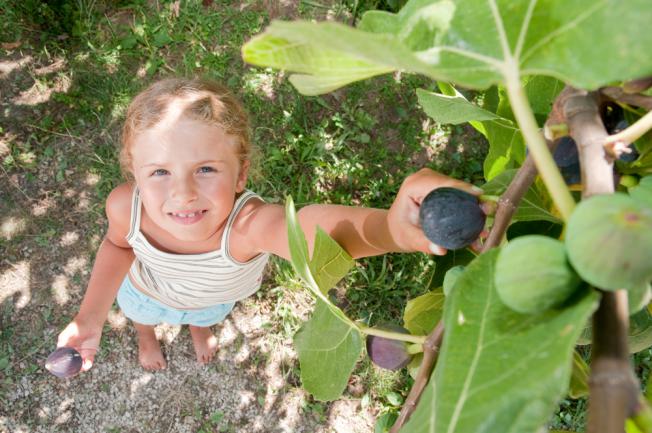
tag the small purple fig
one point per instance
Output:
(387, 353)
(64, 362)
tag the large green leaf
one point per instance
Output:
(474, 43)
(328, 350)
(532, 206)
(423, 312)
(643, 191)
(451, 109)
(498, 371)
(330, 263)
(444, 263)
(579, 382)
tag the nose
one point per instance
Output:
(183, 189)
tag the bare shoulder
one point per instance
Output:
(257, 225)
(118, 212)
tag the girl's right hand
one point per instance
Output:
(84, 337)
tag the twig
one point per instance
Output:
(15, 184)
(637, 86)
(69, 135)
(430, 355)
(617, 94)
(632, 132)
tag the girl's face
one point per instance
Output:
(188, 174)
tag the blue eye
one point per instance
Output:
(159, 172)
(206, 169)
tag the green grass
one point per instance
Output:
(353, 147)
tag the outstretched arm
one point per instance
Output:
(112, 262)
(362, 232)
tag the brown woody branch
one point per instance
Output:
(613, 387)
(617, 94)
(430, 355)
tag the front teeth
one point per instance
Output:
(183, 215)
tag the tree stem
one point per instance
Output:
(613, 386)
(633, 132)
(537, 146)
(418, 339)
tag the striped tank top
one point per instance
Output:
(191, 281)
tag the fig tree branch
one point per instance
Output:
(430, 354)
(613, 387)
(617, 94)
(536, 145)
(633, 132)
(391, 335)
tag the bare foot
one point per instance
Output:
(149, 349)
(205, 343)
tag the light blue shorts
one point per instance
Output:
(148, 311)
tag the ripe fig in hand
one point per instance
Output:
(387, 353)
(451, 218)
(64, 362)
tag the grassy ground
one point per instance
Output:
(67, 76)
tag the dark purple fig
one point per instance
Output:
(451, 218)
(64, 362)
(387, 353)
(566, 153)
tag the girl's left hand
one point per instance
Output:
(403, 216)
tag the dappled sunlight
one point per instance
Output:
(41, 91)
(9, 66)
(228, 334)
(59, 289)
(65, 411)
(92, 179)
(167, 333)
(117, 319)
(341, 413)
(57, 65)
(12, 226)
(262, 83)
(60, 286)
(14, 281)
(68, 239)
(246, 398)
(41, 207)
(138, 383)
(242, 355)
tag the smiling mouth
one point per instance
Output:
(187, 217)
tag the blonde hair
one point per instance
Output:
(204, 100)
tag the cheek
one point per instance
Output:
(153, 194)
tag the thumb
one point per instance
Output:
(87, 361)
(419, 242)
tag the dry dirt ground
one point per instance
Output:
(51, 224)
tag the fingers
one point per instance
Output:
(419, 184)
(84, 344)
(88, 357)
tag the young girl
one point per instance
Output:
(186, 240)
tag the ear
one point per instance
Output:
(242, 176)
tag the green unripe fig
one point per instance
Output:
(389, 353)
(609, 241)
(638, 298)
(533, 274)
(628, 181)
(64, 362)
